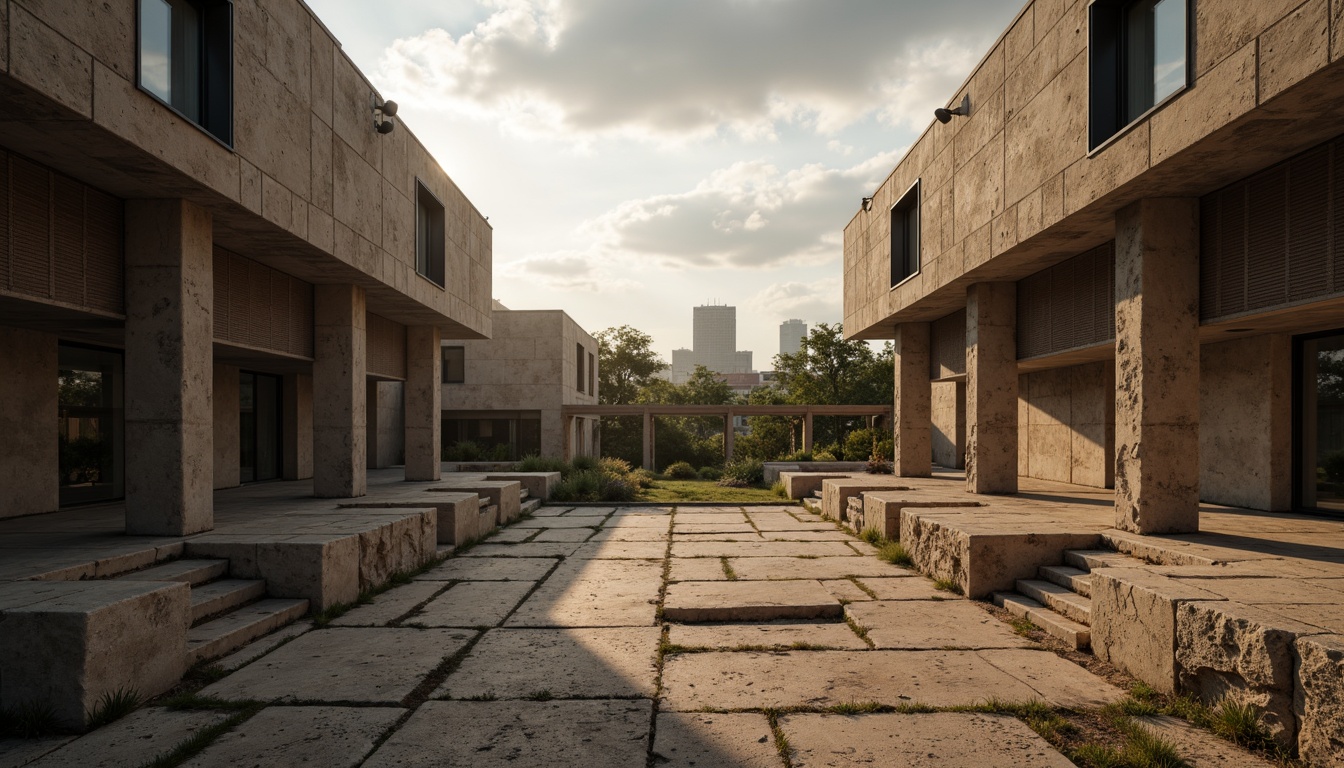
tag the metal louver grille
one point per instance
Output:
(260, 307)
(1067, 306)
(105, 264)
(386, 345)
(68, 237)
(30, 229)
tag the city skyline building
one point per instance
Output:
(714, 344)
(791, 335)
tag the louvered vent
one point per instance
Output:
(947, 341)
(386, 347)
(1275, 238)
(1068, 306)
(260, 307)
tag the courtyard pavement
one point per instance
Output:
(547, 646)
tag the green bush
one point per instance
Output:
(823, 455)
(798, 456)
(583, 463)
(680, 471)
(733, 482)
(641, 478)
(501, 452)
(534, 463)
(465, 450)
(593, 485)
(709, 473)
(1333, 464)
(749, 471)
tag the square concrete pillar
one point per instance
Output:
(648, 443)
(296, 436)
(169, 368)
(948, 404)
(913, 431)
(1157, 366)
(424, 403)
(339, 390)
(991, 388)
(28, 405)
(228, 454)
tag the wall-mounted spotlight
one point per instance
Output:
(867, 203)
(383, 112)
(945, 115)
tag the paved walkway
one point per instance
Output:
(547, 646)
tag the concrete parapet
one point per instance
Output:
(836, 492)
(504, 494)
(457, 514)
(800, 485)
(66, 644)
(538, 484)
(882, 509)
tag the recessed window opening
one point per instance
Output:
(185, 59)
(592, 374)
(1138, 58)
(578, 361)
(905, 236)
(429, 235)
(454, 365)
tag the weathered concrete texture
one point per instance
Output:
(297, 435)
(782, 635)
(882, 509)
(21, 752)
(799, 485)
(846, 591)
(458, 513)
(548, 550)
(502, 494)
(537, 484)
(594, 593)
(28, 386)
(932, 624)
(262, 646)
(490, 569)
(339, 391)
(389, 606)
(697, 569)
(1066, 424)
(1246, 452)
(600, 734)
(760, 549)
(991, 388)
(132, 741)
(948, 410)
(1319, 700)
(835, 494)
(913, 431)
(67, 644)
(908, 588)
(686, 740)
(1157, 366)
(169, 368)
(772, 568)
(299, 736)
(563, 535)
(372, 666)
(225, 393)
(423, 409)
(696, 601)
(1053, 678)
(932, 740)
(1198, 747)
(1134, 622)
(621, 550)
(566, 663)
(471, 604)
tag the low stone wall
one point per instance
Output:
(505, 495)
(882, 509)
(458, 513)
(800, 485)
(836, 492)
(538, 485)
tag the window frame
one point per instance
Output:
(217, 81)
(1106, 72)
(437, 229)
(443, 363)
(592, 374)
(908, 202)
(578, 364)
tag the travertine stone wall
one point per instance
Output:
(913, 452)
(297, 435)
(949, 423)
(169, 369)
(227, 471)
(1157, 366)
(1245, 423)
(991, 388)
(28, 386)
(423, 403)
(385, 427)
(1066, 424)
(339, 390)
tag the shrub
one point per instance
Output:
(617, 489)
(583, 463)
(709, 473)
(733, 482)
(534, 463)
(613, 466)
(501, 452)
(680, 471)
(877, 465)
(779, 489)
(749, 471)
(823, 455)
(465, 450)
(641, 478)
(798, 456)
(585, 485)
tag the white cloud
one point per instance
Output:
(817, 301)
(567, 271)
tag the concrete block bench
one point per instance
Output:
(502, 494)
(800, 485)
(537, 484)
(836, 492)
(882, 509)
(458, 513)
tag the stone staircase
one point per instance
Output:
(1059, 601)
(526, 503)
(226, 614)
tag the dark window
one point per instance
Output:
(259, 434)
(905, 236)
(578, 364)
(91, 421)
(454, 365)
(1138, 58)
(185, 60)
(429, 259)
(592, 374)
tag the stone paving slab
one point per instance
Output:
(131, 741)
(1198, 747)
(769, 568)
(710, 519)
(697, 569)
(262, 646)
(512, 535)
(1056, 680)
(687, 537)
(806, 536)
(565, 663)
(630, 534)
(550, 511)
(780, 634)
(761, 549)
(594, 593)
(622, 550)
(693, 601)
(591, 512)
(700, 740)
(564, 534)
(543, 549)
(931, 624)
(656, 522)
(338, 737)
(20, 752)
(846, 591)
(392, 604)
(779, 521)
(738, 526)
(375, 666)
(520, 734)
(472, 604)
(725, 680)
(556, 522)
(934, 740)
(1266, 591)
(490, 569)
(911, 586)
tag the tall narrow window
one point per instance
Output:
(1138, 58)
(578, 365)
(454, 365)
(905, 236)
(429, 253)
(185, 60)
(592, 374)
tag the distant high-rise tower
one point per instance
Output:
(791, 335)
(714, 345)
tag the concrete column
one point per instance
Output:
(339, 391)
(1157, 366)
(424, 403)
(648, 442)
(948, 404)
(228, 452)
(28, 404)
(297, 431)
(567, 436)
(169, 368)
(372, 423)
(807, 432)
(991, 388)
(728, 434)
(913, 429)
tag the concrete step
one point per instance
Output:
(1061, 600)
(1087, 559)
(1079, 581)
(1077, 635)
(529, 506)
(223, 595)
(445, 550)
(192, 572)
(234, 630)
(523, 494)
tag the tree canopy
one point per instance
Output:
(628, 364)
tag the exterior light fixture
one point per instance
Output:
(945, 115)
(867, 203)
(383, 112)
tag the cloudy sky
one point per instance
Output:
(640, 157)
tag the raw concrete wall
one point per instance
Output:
(228, 473)
(1245, 423)
(1066, 424)
(28, 386)
(386, 424)
(949, 423)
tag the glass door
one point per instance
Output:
(1320, 422)
(258, 426)
(90, 422)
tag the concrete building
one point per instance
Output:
(508, 391)
(791, 335)
(207, 283)
(714, 345)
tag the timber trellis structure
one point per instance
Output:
(648, 412)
